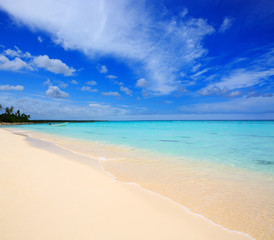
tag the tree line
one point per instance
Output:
(10, 115)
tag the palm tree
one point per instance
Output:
(9, 110)
(18, 114)
(1, 108)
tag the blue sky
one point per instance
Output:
(143, 60)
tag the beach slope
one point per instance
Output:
(46, 196)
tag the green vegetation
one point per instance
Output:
(10, 116)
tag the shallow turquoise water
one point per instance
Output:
(241, 144)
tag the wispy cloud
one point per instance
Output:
(126, 90)
(163, 48)
(114, 94)
(40, 39)
(74, 82)
(236, 105)
(16, 53)
(106, 109)
(63, 85)
(50, 108)
(242, 78)
(47, 82)
(92, 83)
(102, 69)
(13, 88)
(244, 73)
(214, 90)
(88, 89)
(227, 23)
(111, 77)
(258, 94)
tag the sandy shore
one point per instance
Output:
(46, 195)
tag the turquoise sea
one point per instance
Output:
(223, 170)
(241, 144)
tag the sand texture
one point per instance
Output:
(45, 195)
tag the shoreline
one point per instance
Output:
(48, 121)
(189, 213)
(243, 205)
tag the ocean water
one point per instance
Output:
(241, 144)
(223, 170)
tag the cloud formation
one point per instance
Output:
(258, 94)
(103, 69)
(53, 65)
(74, 82)
(241, 78)
(88, 89)
(50, 108)
(16, 60)
(126, 90)
(238, 79)
(55, 92)
(141, 82)
(16, 64)
(9, 87)
(114, 94)
(40, 39)
(92, 83)
(111, 77)
(256, 105)
(123, 29)
(106, 109)
(227, 23)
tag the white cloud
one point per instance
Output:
(114, 94)
(103, 69)
(242, 78)
(213, 90)
(111, 77)
(40, 39)
(126, 90)
(13, 65)
(74, 82)
(130, 32)
(9, 87)
(50, 108)
(118, 83)
(55, 92)
(53, 65)
(106, 109)
(236, 105)
(88, 89)
(92, 83)
(47, 82)
(141, 82)
(257, 94)
(200, 73)
(63, 85)
(184, 12)
(227, 23)
(233, 94)
(220, 92)
(16, 53)
(145, 93)
(16, 60)
(239, 78)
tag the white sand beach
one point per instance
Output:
(44, 195)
